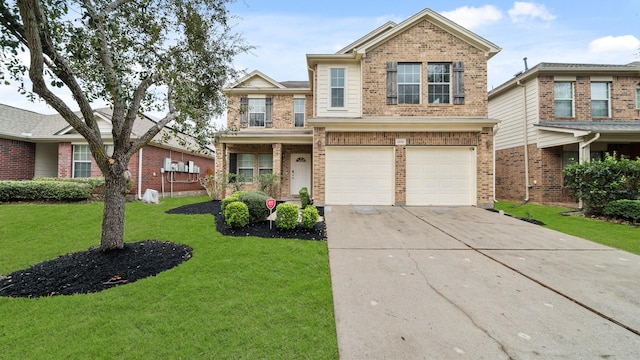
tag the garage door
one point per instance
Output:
(359, 175)
(441, 176)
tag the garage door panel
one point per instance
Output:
(441, 176)
(359, 175)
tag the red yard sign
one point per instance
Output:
(271, 204)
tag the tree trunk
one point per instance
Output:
(115, 189)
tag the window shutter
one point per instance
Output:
(458, 83)
(268, 121)
(244, 112)
(233, 165)
(392, 83)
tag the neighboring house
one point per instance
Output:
(37, 145)
(397, 117)
(553, 115)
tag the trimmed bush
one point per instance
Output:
(257, 204)
(310, 217)
(598, 183)
(623, 209)
(286, 216)
(49, 190)
(304, 197)
(236, 214)
(228, 200)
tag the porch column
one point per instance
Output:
(277, 159)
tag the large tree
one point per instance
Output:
(133, 54)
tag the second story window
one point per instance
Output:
(337, 87)
(409, 83)
(600, 99)
(257, 112)
(563, 98)
(638, 97)
(439, 83)
(298, 112)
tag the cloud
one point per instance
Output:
(608, 44)
(523, 12)
(474, 17)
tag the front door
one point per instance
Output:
(300, 173)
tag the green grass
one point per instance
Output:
(236, 298)
(624, 237)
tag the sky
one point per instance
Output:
(283, 32)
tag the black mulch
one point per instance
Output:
(259, 229)
(93, 270)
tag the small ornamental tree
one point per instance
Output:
(136, 55)
(598, 183)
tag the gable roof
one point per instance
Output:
(570, 69)
(25, 125)
(257, 82)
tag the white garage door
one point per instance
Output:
(441, 175)
(359, 175)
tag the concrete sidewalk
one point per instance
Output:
(455, 283)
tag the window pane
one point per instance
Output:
(563, 108)
(563, 91)
(337, 97)
(245, 160)
(439, 83)
(638, 98)
(298, 112)
(409, 83)
(257, 112)
(599, 108)
(337, 77)
(82, 169)
(600, 90)
(265, 161)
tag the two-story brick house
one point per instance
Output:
(397, 117)
(553, 115)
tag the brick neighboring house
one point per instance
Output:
(37, 145)
(397, 117)
(553, 115)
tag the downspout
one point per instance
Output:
(140, 174)
(496, 128)
(526, 141)
(582, 146)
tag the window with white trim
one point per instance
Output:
(265, 164)
(563, 98)
(245, 166)
(81, 161)
(337, 87)
(600, 99)
(439, 83)
(298, 112)
(638, 97)
(409, 79)
(257, 112)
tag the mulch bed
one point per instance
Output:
(259, 229)
(93, 270)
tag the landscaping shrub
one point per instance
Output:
(286, 216)
(304, 197)
(623, 209)
(310, 217)
(228, 200)
(598, 183)
(49, 190)
(236, 214)
(269, 184)
(257, 204)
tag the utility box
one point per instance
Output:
(192, 167)
(167, 164)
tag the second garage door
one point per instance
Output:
(441, 175)
(359, 175)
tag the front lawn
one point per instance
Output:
(237, 297)
(624, 237)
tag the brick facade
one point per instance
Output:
(17, 160)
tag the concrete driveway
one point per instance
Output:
(467, 283)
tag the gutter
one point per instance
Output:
(526, 142)
(140, 174)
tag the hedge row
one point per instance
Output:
(48, 190)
